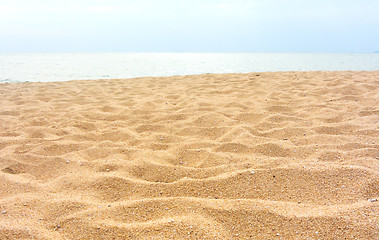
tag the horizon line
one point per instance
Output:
(223, 52)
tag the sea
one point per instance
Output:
(49, 67)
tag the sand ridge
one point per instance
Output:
(275, 155)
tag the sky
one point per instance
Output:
(189, 26)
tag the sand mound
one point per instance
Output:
(284, 155)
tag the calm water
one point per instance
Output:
(38, 67)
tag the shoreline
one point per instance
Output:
(200, 74)
(80, 66)
(260, 155)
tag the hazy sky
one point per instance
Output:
(189, 25)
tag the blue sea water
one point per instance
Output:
(46, 67)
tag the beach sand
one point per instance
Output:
(282, 155)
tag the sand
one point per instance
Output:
(282, 155)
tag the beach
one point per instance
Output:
(263, 155)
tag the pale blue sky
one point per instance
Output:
(189, 26)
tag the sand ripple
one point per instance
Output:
(284, 155)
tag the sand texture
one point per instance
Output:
(283, 155)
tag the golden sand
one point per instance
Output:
(286, 155)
